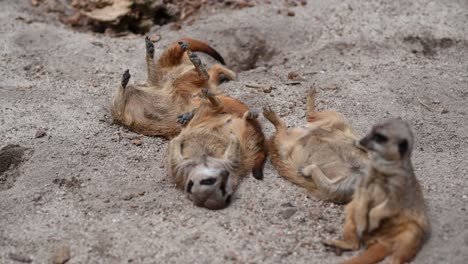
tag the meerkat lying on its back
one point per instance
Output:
(387, 213)
(152, 108)
(220, 145)
(321, 155)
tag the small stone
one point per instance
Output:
(40, 132)
(97, 44)
(115, 138)
(444, 111)
(267, 89)
(230, 255)
(136, 142)
(61, 255)
(175, 26)
(128, 197)
(287, 213)
(19, 258)
(291, 13)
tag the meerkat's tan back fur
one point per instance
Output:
(321, 155)
(152, 108)
(222, 143)
(387, 213)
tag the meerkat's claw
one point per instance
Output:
(184, 118)
(251, 114)
(149, 46)
(183, 45)
(268, 113)
(125, 78)
(195, 59)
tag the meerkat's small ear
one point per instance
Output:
(403, 147)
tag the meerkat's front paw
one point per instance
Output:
(125, 78)
(149, 46)
(183, 45)
(184, 118)
(251, 114)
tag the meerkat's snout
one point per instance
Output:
(209, 187)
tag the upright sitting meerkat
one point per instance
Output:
(387, 213)
(221, 143)
(151, 108)
(321, 155)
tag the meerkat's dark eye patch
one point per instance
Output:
(228, 200)
(223, 190)
(189, 186)
(209, 181)
(379, 138)
(403, 147)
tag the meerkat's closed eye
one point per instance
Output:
(379, 138)
(209, 181)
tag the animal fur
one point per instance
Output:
(152, 108)
(387, 213)
(220, 145)
(321, 155)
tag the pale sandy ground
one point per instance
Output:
(369, 60)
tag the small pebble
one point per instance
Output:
(40, 132)
(61, 255)
(19, 258)
(136, 142)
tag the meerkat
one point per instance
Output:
(222, 142)
(151, 108)
(321, 155)
(387, 213)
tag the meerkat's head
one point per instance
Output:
(389, 141)
(210, 183)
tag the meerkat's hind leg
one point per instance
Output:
(212, 98)
(337, 190)
(271, 116)
(125, 78)
(196, 61)
(407, 245)
(350, 238)
(152, 78)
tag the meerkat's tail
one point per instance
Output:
(196, 45)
